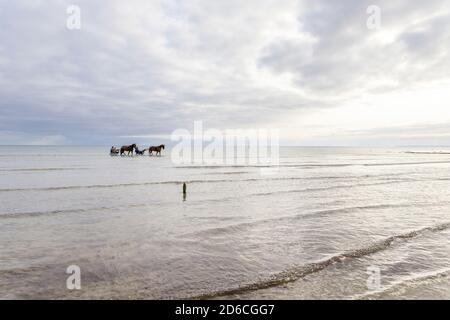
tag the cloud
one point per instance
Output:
(412, 135)
(144, 68)
(346, 58)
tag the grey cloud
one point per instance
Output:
(149, 67)
(345, 58)
(407, 135)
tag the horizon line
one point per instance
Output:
(297, 146)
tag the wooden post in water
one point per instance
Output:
(184, 190)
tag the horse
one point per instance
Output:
(128, 149)
(139, 152)
(156, 149)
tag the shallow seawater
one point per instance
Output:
(312, 230)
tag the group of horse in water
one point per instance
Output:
(128, 150)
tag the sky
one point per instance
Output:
(136, 70)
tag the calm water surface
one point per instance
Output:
(311, 230)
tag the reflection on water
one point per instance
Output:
(312, 230)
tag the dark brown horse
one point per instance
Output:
(156, 149)
(128, 149)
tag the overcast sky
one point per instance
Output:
(136, 70)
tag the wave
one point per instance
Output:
(228, 173)
(174, 182)
(427, 152)
(83, 210)
(17, 272)
(403, 163)
(335, 187)
(118, 185)
(37, 213)
(307, 190)
(26, 214)
(30, 214)
(297, 272)
(263, 166)
(309, 166)
(49, 155)
(40, 169)
(245, 225)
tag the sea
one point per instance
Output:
(328, 223)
